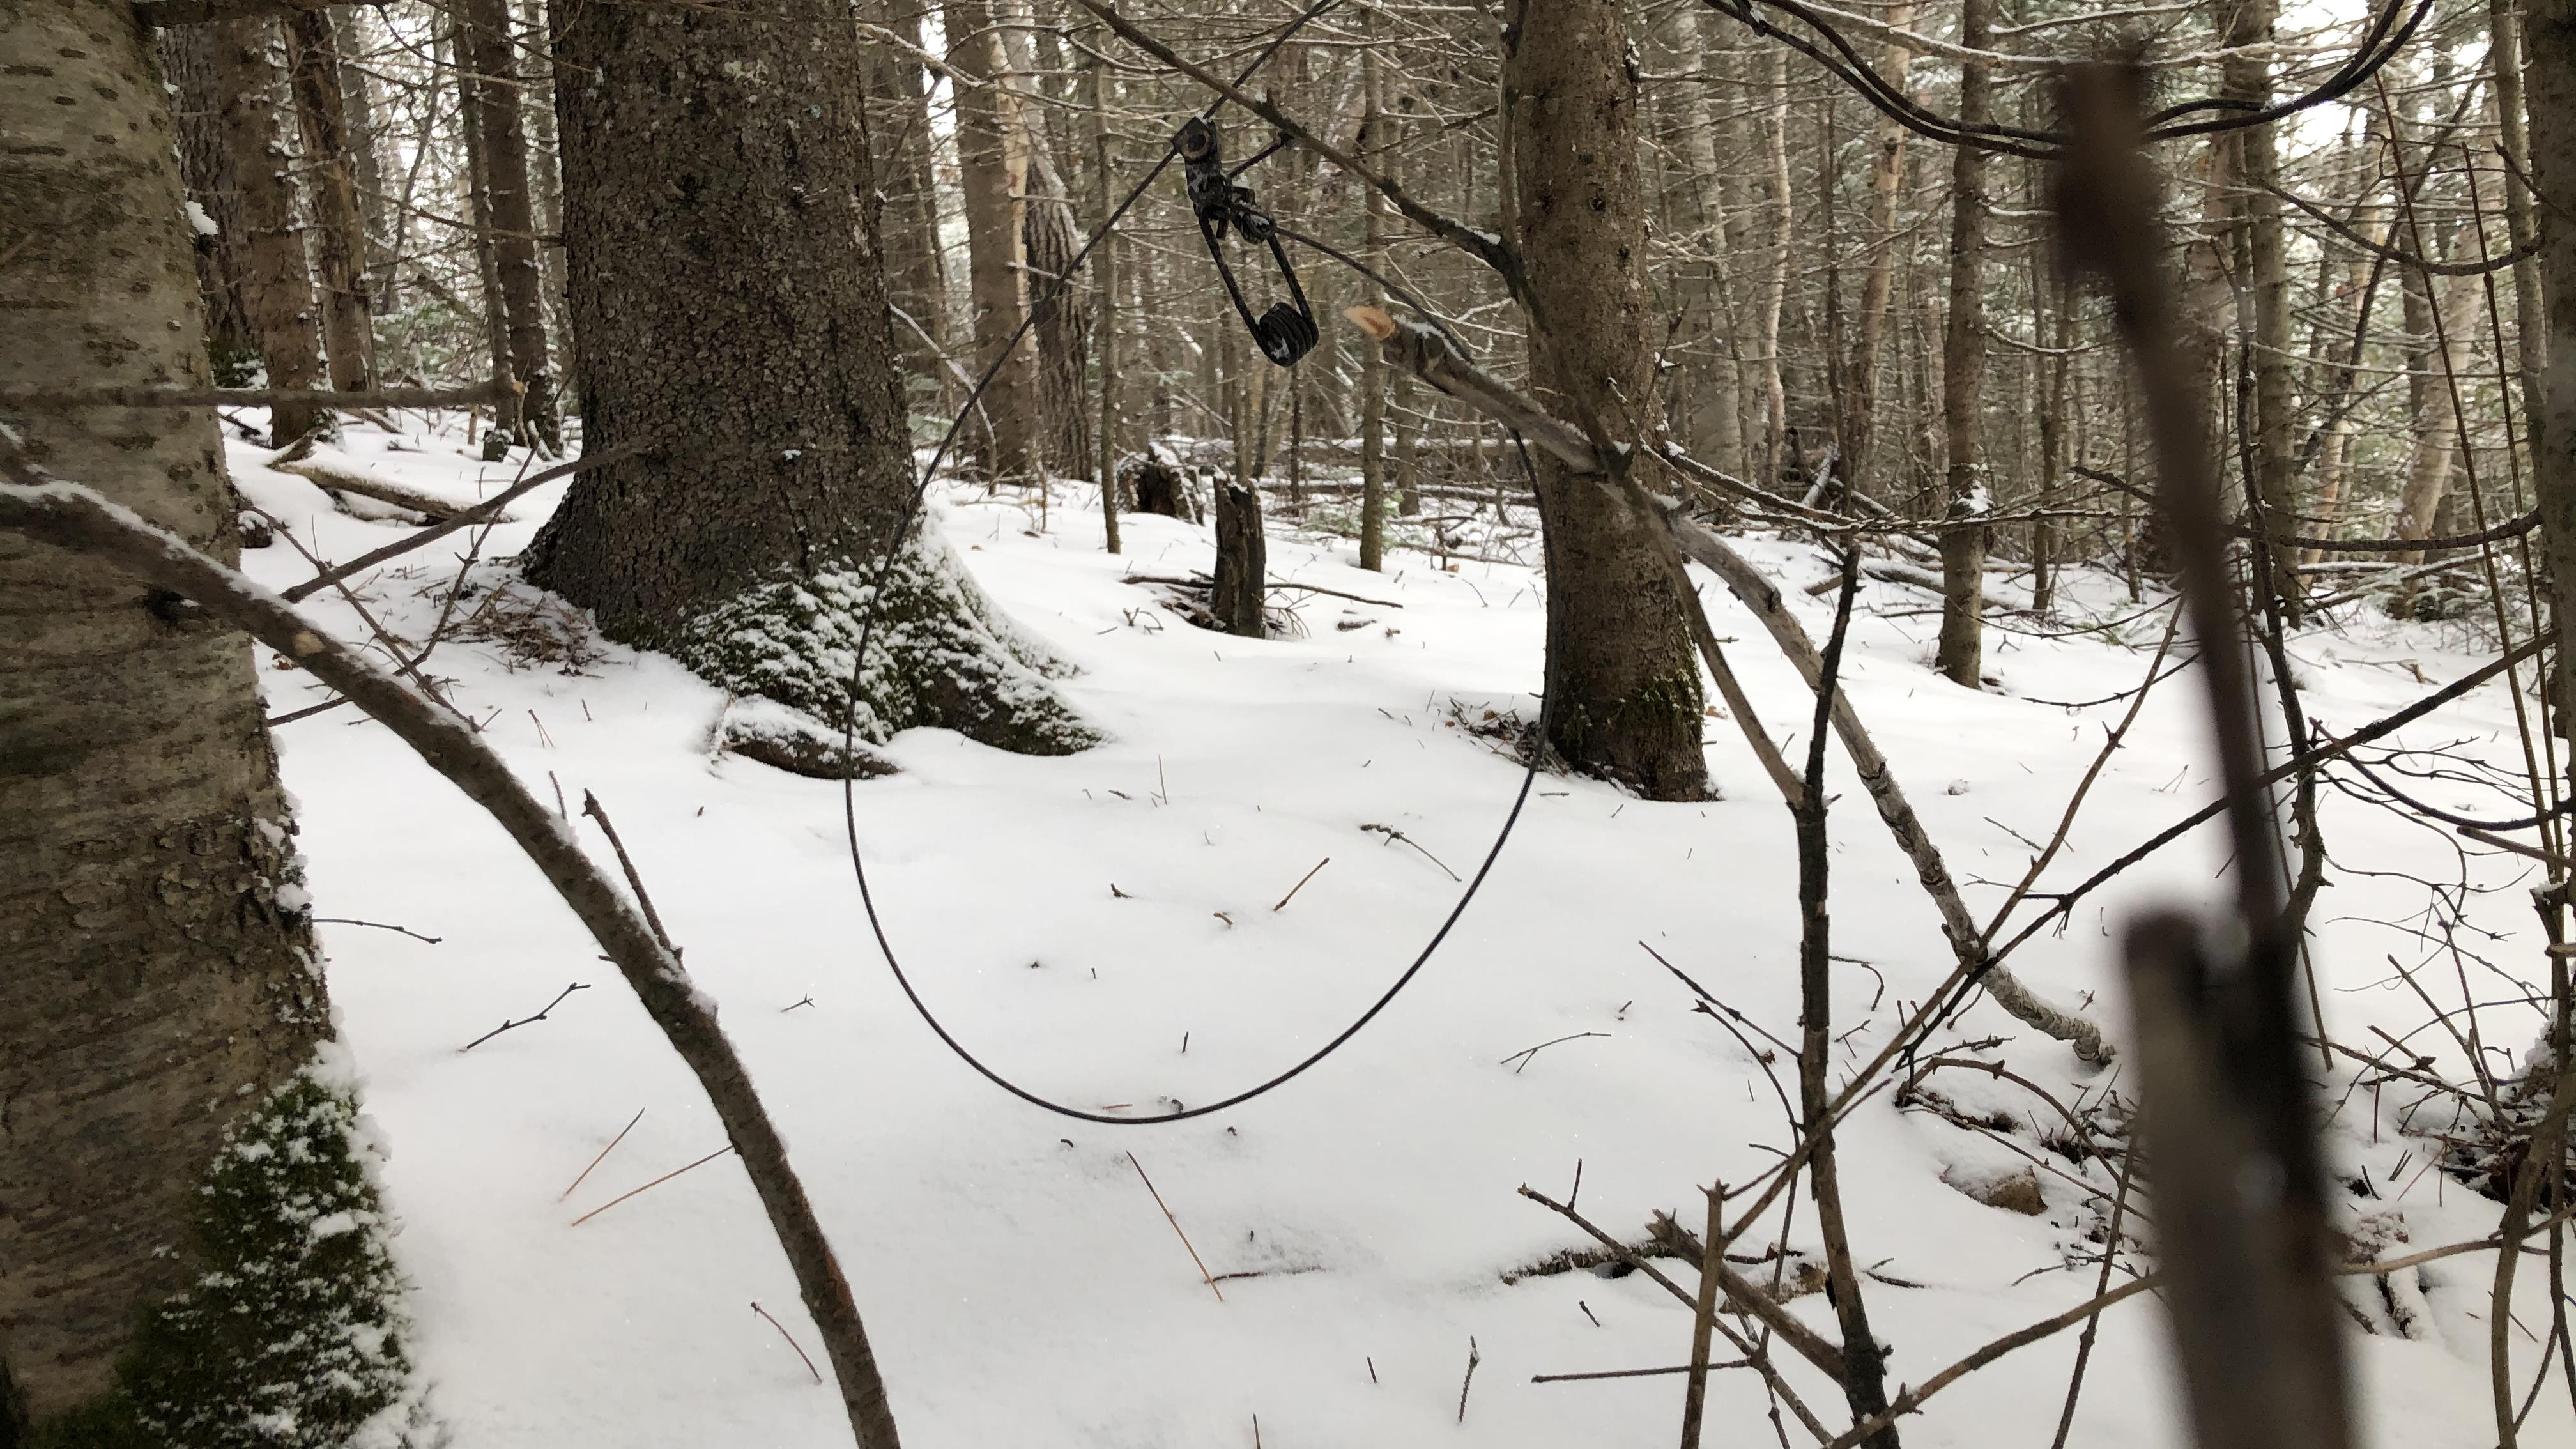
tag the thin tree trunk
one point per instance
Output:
(487, 262)
(899, 128)
(1373, 372)
(366, 164)
(485, 47)
(1104, 269)
(159, 977)
(1963, 373)
(2275, 480)
(992, 148)
(1623, 683)
(2531, 329)
(1869, 331)
(276, 282)
(339, 232)
(1775, 287)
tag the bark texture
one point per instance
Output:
(732, 316)
(340, 233)
(276, 280)
(1623, 686)
(1961, 654)
(160, 971)
(187, 55)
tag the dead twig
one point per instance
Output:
(1473, 1358)
(1204, 1275)
(525, 1020)
(1300, 885)
(603, 1154)
(1524, 1056)
(648, 1187)
(376, 925)
(791, 1340)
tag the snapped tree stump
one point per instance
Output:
(1234, 600)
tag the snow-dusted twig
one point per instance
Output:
(1473, 1358)
(378, 925)
(78, 519)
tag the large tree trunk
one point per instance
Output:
(1623, 689)
(730, 311)
(276, 280)
(1961, 656)
(366, 164)
(992, 150)
(340, 233)
(483, 31)
(160, 974)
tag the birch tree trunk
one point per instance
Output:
(160, 975)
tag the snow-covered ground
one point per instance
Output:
(1102, 929)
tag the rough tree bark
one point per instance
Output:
(187, 55)
(2248, 76)
(483, 34)
(160, 973)
(1104, 282)
(276, 281)
(339, 231)
(992, 148)
(731, 313)
(1623, 688)
(1961, 655)
(1063, 325)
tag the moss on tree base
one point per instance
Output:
(290, 1336)
(942, 655)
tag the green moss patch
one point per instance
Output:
(290, 1336)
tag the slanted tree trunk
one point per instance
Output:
(992, 150)
(339, 231)
(187, 55)
(731, 312)
(1961, 655)
(483, 30)
(276, 280)
(161, 974)
(1623, 690)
